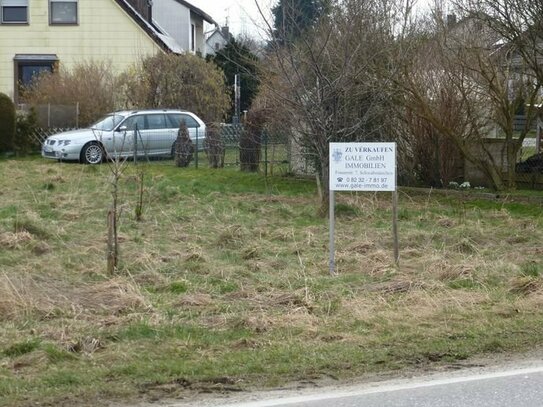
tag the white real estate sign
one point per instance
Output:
(362, 166)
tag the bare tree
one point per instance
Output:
(467, 89)
(117, 166)
(332, 82)
(516, 87)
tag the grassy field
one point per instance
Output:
(224, 285)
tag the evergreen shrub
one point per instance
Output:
(7, 123)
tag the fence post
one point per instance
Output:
(136, 143)
(289, 152)
(538, 136)
(196, 158)
(265, 137)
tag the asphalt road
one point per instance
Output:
(506, 388)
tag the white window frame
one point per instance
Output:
(51, 20)
(193, 37)
(12, 4)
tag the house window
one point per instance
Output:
(63, 11)
(14, 11)
(192, 37)
(28, 67)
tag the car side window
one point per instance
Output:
(174, 120)
(131, 123)
(156, 121)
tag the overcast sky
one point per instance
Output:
(242, 15)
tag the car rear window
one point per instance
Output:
(156, 121)
(174, 120)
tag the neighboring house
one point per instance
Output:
(44, 35)
(498, 86)
(183, 22)
(217, 39)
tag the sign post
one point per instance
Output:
(362, 167)
(331, 209)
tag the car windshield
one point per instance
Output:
(108, 122)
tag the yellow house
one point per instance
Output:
(42, 35)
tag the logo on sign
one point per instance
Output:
(337, 154)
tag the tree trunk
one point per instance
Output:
(111, 242)
(494, 175)
(324, 197)
(511, 152)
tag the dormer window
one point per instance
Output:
(14, 11)
(63, 11)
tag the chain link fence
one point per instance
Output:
(272, 151)
(54, 116)
(274, 155)
(41, 133)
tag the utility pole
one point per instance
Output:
(237, 91)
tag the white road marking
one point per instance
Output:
(377, 388)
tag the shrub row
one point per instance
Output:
(16, 128)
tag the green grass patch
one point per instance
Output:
(531, 269)
(21, 348)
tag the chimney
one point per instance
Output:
(150, 11)
(451, 20)
(225, 31)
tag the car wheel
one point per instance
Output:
(173, 150)
(92, 153)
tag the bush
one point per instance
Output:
(250, 140)
(214, 147)
(184, 148)
(26, 125)
(177, 81)
(7, 123)
(435, 159)
(92, 85)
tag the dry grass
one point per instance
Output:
(22, 296)
(447, 271)
(261, 322)
(195, 300)
(10, 240)
(532, 302)
(26, 296)
(525, 285)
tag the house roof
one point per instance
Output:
(198, 11)
(216, 31)
(151, 30)
(165, 41)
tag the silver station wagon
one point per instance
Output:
(114, 136)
